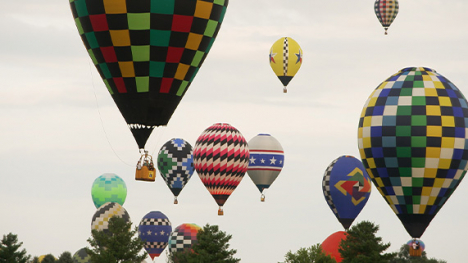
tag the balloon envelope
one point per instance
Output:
(266, 160)
(108, 187)
(154, 230)
(285, 59)
(183, 237)
(100, 221)
(386, 11)
(175, 163)
(81, 256)
(221, 158)
(148, 52)
(346, 187)
(412, 141)
(331, 244)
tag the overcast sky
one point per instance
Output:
(61, 129)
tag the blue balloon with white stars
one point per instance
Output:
(155, 230)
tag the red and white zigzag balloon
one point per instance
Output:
(221, 158)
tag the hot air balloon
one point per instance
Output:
(346, 187)
(386, 11)
(148, 53)
(221, 158)
(331, 244)
(175, 163)
(183, 238)
(412, 141)
(108, 188)
(155, 229)
(285, 59)
(81, 256)
(415, 247)
(266, 161)
(100, 221)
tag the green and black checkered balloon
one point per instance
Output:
(148, 52)
(413, 143)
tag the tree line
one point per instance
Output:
(122, 245)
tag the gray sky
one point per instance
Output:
(61, 128)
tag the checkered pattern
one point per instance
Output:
(81, 256)
(155, 222)
(148, 52)
(175, 163)
(102, 215)
(326, 187)
(108, 188)
(221, 158)
(154, 229)
(285, 56)
(183, 237)
(386, 11)
(413, 140)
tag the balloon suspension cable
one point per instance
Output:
(285, 90)
(175, 200)
(220, 211)
(386, 31)
(262, 198)
(100, 118)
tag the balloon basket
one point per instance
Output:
(220, 211)
(262, 198)
(145, 170)
(175, 200)
(415, 248)
(285, 90)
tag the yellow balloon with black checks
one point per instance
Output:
(285, 59)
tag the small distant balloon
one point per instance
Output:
(155, 229)
(386, 11)
(183, 238)
(108, 187)
(175, 163)
(81, 256)
(285, 59)
(346, 187)
(266, 161)
(100, 221)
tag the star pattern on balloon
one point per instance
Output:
(356, 186)
(299, 57)
(272, 56)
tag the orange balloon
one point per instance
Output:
(331, 244)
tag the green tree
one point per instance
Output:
(120, 244)
(49, 258)
(65, 257)
(313, 254)
(35, 260)
(362, 246)
(9, 250)
(403, 256)
(212, 247)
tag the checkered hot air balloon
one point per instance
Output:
(346, 187)
(100, 221)
(155, 229)
(183, 238)
(148, 52)
(285, 59)
(221, 158)
(386, 11)
(266, 161)
(81, 256)
(412, 138)
(175, 163)
(108, 187)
